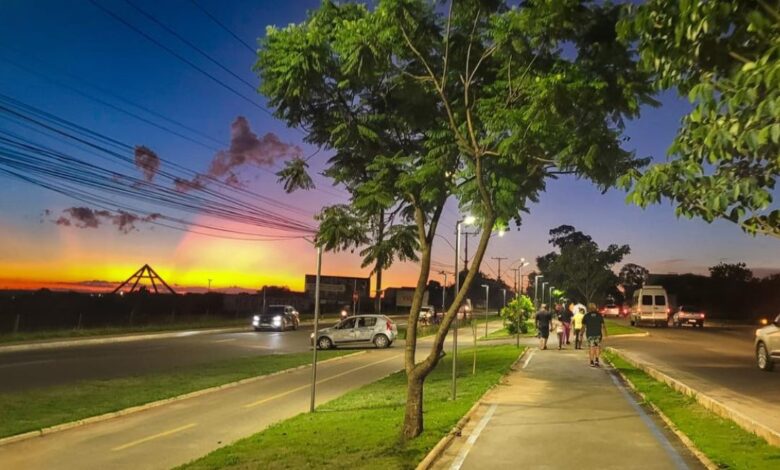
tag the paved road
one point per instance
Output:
(170, 435)
(718, 361)
(173, 434)
(26, 370)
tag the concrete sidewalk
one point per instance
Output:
(553, 411)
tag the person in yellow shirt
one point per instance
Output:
(577, 324)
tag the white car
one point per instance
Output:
(376, 329)
(650, 305)
(610, 310)
(768, 345)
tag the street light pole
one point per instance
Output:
(550, 296)
(536, 289)
(444, 291)
(457, 312)
(487, 302)
(504, 292)
(316, 328)
(544, 289)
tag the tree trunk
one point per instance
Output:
(417, 373)
(413, 418)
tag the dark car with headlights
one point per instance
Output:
(688, 315)
(277, 317)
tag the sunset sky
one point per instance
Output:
(75, 45)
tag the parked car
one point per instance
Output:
(768, 345)
(650, 305)
(277, 317)
(376, 329)
(610, 310)
(688, 315)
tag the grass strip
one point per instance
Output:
(615, 328)
(503, 333)
(720, 439)
(362, 428)
(119, 330)
(40, 408)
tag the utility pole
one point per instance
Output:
(210, 284)
(499, 259)
(514, 277)
(467, 235)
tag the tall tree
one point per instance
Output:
(725, 56)
(476, 101)
(733, 272)
(632, 276)
(579, 267)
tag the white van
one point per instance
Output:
(650, 305)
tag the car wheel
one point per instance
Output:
(633, 323)
(295, 326)
(762, 358)
(325, 343)
(257, 329)
(381, 341)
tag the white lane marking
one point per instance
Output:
(224, 340)
(154, 436)
(303, 387)
(528, 359)
(464, 452)
(26, 363)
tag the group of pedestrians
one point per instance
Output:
(586, 323)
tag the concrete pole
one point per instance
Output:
(316, 329)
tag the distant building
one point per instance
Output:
(340, 289)
(400, 298)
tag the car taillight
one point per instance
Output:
(668, 310)
(389, 326)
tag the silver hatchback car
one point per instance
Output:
(376, 329)
(768, 345)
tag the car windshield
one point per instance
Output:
(611, 306)
(276, 309)
(690, 308)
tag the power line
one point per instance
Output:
(223, 26)
(180, 57)
(186, 41)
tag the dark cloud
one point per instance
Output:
(184, 186)
(147, 161)
(84, 217)
(247, 149)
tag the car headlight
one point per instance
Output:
(277, 319)
(256, 318)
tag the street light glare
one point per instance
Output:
(469, 220)
(501, 232)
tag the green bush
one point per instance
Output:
(516, 314)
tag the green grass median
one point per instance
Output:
(362, 428)
(720, 439)
(39, 408)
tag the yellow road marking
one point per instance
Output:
(303, 387)
(155, 436)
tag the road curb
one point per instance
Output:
(632, 335)
(721, 409)
(114, 339)
(165, 401)
(709, 464)
(445, 441)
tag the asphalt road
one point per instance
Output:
(173, 434)
(718, 361)
(25, 370)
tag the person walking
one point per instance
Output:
(543, 321)
(579, 314)
(566, 316)
(557, 325)
(595, 332)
